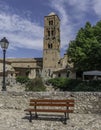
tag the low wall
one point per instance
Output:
(85, 102)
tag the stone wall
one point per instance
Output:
(85, 102)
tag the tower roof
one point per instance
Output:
(52, 13)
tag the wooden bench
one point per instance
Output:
(51, 105)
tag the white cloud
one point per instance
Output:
(72, 14)
(79, 5)
(97, 7)
(20, 32)
(66, 27)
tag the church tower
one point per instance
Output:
(51, 44)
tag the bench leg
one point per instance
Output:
(67, 115)
(36, 116)
(65, 120)
(30, 119)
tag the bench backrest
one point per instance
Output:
(52, 102)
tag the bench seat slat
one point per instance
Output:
(49, 110)
(51, 104)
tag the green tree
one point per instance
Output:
(85, 50)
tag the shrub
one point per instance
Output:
(57, 82)
(22, 79)
(66, 84)
(35, 85)
(70, 84)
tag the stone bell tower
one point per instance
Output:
(51, 44)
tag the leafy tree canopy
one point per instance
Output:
(85, 50)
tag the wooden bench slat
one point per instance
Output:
(49, 110)
(51, 100)
(48, 104)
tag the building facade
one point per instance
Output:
(51, 44)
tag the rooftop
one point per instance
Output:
(52, 13)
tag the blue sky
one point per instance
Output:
(22, 23)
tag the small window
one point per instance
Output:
(49, 72)
(52, 32)
(68, 73)
(51, 22)
(59, 75)
(48, 33)
(11, 74)
(50, 46)
(59, 62)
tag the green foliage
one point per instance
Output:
(85, 50)
(89, 86)
(66, 84)
(22, 79)
(35, 85)
(70, 84)
(57, 82)
(31, 84)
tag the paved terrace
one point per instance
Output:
(86, 116)
(18, 120)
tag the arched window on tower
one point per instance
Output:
(51, 22)
(52, 33)
(50, 46)
(48, 33)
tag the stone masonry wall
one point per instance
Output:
(85, 102)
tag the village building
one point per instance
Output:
(51, 64)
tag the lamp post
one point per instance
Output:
(4, 45)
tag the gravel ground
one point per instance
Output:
(11, 119)
(16, 119)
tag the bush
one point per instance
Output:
(66, 84)
(35, 85)
(70, 84)
(22, 79)
(57, 82)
